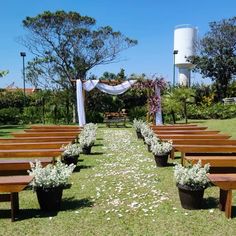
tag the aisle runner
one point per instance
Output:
(126, 180)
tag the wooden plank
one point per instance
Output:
(52, 130)
(37, 139)
(55, 126)
(214, 161)
(204, 142)
(45, 134)
(178, 128)
(205, 148)
(193, 136)
(21, 164)
(31, 153)
(44, 145)
(171, 132)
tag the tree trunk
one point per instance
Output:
(173, 116)
(185, 112)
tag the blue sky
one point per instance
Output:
(151, 22)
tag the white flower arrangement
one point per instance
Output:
(146, 131)
(50, 176)
(151, 138)
(194, 176)
(137, 124)
(72, 150)
(88, 135)
(91, 127)
(159, 148)
(87, 139)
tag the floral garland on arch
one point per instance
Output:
(153, 86)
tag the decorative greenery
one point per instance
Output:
(50, 176)
(194, 176)
(160, 148)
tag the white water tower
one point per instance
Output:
(185, 37)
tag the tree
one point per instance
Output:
(217, 55)
(67, 45)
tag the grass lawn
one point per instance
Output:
(118, 190)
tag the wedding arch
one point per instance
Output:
(89, 85)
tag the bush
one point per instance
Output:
(216, 111)
(11, 115)
(138, 113)
(94, 117)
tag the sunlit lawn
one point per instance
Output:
(120, 191)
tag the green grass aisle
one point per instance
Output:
(118, 190)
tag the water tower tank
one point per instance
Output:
(184, 46)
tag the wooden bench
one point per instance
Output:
(55, 127)
(193, 136)
(177, 142)
(214, 160)
(38, 139)
(33, 153)
(115, 117)
(178, 145)
(45, 134)
(11, 186)
(39, 145)
(52, 130)
(20, 166)
(226, 183)
(159, 128)
(175, 125)
(205, 150)
(185, 132)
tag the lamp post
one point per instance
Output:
(23, 55)
(174, 53)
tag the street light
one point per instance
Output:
(174, 53)
(23, 55)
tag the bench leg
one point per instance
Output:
(172, 154)
(14, 197)
(226, 202)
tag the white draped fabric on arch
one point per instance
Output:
(113, 90)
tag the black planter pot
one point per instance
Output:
(86, 149)
(161, 160)
(139, 135)
(71, 160)
(190, 198)
(49, 199)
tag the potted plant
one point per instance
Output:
(149, 139)
(49, 182)
(87, 137)
(71, 153)
(161, 151)
(137, 124)
(191, 181)
(146, 131)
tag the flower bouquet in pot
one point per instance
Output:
(161, 151)
(151, 138)
(87, 137)
(191, 181)
(71, 153)
(49, 182)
